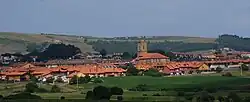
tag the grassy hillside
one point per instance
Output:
(19, 42)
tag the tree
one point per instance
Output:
(103, 52)
(219, 69)
(126, 55)
(73, 80)
(89, 95)
(244, 67)
(153, 72)
(101, 93)
(31, 87)
(57, 51)
(55, 89)
(119, 98)
(131, 70)
(116, 91)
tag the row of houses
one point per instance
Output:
(20, 73)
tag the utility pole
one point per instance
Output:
(77, 82)
(241, 69)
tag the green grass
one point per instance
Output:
(190, 82)
(171, 82)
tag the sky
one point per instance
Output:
(108, 18)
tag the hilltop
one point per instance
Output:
(21, 42)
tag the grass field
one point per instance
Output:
(171, 86)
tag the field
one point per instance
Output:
(158, 88)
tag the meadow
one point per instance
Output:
(155, 88)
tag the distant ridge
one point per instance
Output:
(12, 42)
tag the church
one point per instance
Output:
(145, 60)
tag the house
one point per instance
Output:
(144, 60)
(184, 67)
(14, 76)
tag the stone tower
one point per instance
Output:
(142, 47)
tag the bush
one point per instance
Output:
(116, 91)
(219, 69)
(55, 89)
(89, 95)
(98, 80)
(227, 74)
(101, 93)
(119, 98)
(31, 87)
(153, 72)
(62, 97)
(50, 80)
(211, 90)
(156, 94)
(180, 93)
(244, 67)
(59, 80)
(220, 98)
(144, 95)
(1, 96)
(190, 72)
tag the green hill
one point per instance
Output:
(20, 42)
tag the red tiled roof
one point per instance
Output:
(151, 56)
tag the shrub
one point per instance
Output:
(190, 72)
(156, 94)
(153, 72)
(98, 80)
(227, 74)
(119, 98)
(55, 89)
(211, 90)
(89, 95)
(101, 93)
(50, 80)
(219, 69)
(144, 95)
(31, 87)
(244, 67)
(62, 97)
(116, 91)
(1, 96)
(180, 93)
(220, 98)
(59, 80)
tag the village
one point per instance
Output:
(66, 69)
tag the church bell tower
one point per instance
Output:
(141, 47)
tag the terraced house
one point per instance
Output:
(65, 72)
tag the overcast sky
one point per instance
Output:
(207, 18)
